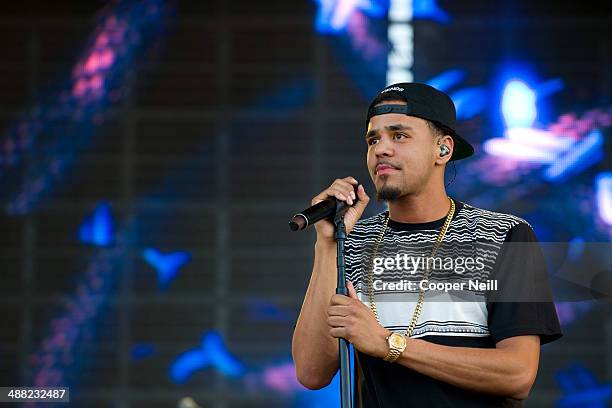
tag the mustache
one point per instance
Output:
(388, 163)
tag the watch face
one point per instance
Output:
(397, 341)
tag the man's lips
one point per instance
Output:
(384, 169)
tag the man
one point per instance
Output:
(410, 350)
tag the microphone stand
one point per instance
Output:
(343, 345)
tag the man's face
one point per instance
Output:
(401, 152)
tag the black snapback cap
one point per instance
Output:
(425, 102)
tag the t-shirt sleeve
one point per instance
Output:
(523, 302)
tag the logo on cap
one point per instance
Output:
(393, 88)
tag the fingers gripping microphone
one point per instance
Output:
(326, 209)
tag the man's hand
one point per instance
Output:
(349, 318)
(344, 190)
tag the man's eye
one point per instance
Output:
(372, 141)
(399, 136)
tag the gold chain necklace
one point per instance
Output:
(419, 306)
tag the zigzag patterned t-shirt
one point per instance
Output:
(475, 322)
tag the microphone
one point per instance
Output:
(326, 209)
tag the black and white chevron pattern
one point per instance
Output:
(442, 315)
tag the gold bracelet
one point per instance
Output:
(392, 355)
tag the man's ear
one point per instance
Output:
(445, 147)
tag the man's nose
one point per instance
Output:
(384, 147)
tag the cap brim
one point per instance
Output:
(463, 149)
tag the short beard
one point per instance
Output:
(389, 194)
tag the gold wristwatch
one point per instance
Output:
(397, 344)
